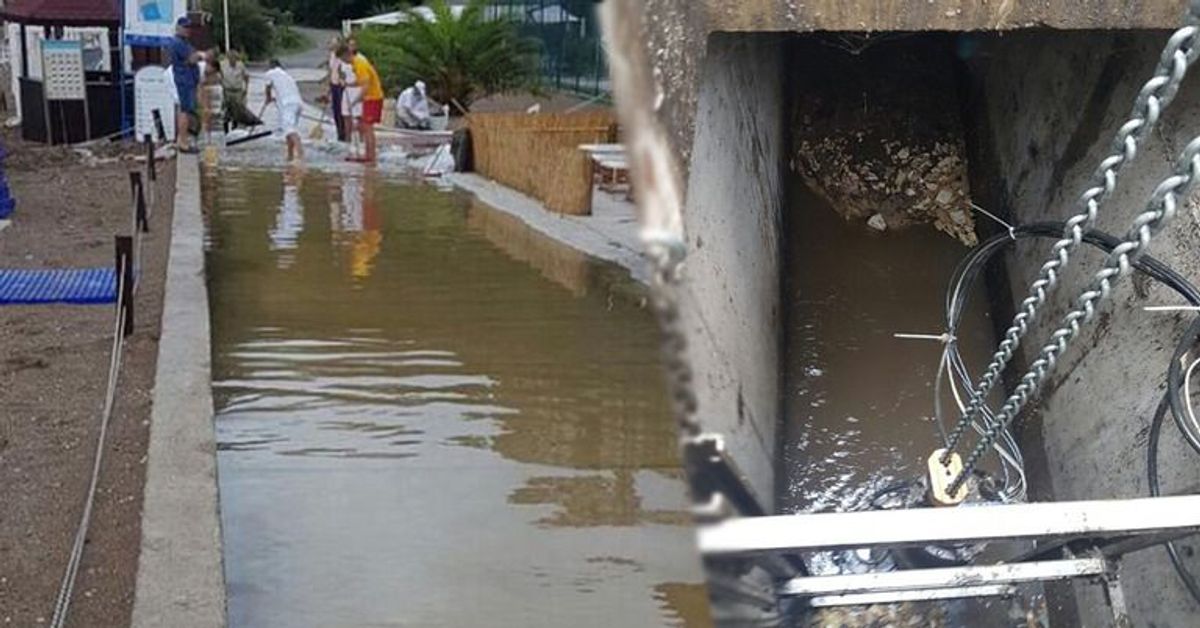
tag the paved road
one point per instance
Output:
(315, 55)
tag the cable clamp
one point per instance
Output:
(1012, 231)
(944, 337)
(941, 476)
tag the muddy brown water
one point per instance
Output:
(858, 401)
(428, 415)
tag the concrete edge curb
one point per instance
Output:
(180, 580)
(569, 230)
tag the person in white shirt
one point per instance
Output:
(352, 98)
(412, 107)
(283, 91)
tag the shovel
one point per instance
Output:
(253, 135)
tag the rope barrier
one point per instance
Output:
(128, 252)
(63, 600)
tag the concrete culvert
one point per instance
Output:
(876, 130)
(836, 157)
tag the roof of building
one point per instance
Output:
(64, 12)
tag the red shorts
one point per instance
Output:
(372, 111)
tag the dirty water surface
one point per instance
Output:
(428, 415)
(858, 401)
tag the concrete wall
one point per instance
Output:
(1045, 105)
(180, 580)
(732, 220)
(1048, 130)
(675, 32)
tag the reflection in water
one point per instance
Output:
(289, 220)
(417, 428)
(355, 221)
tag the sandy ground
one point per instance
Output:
(53, 368)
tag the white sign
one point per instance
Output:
(153, 89)
(152, 22)
(62, 70)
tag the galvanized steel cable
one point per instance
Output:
(953, 367)
(954, 370)
(1159, 212)
(1189, 581)
(1177, 400)
(1154, 97)
(66, 588)
(1190, 428)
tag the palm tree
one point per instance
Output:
(462, 53)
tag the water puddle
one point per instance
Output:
(429, 416)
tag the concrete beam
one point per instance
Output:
(935, 15)
(180, 580)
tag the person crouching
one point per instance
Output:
(412, 108)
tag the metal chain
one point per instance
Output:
(667, 253)
(1158, 214)
(1152, 100)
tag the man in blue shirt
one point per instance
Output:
(185, 66)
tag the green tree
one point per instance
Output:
(251, 28)
(329, 13)
(255, 30)
(461, 57)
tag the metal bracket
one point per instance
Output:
(1109, 528)
(925, 595)
(1107, 519)
(937, 584)
(941, 475)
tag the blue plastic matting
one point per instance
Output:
(70, 285)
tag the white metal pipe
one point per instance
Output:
(944, 577)
(964, 524)
(888, 597)
(225, 4)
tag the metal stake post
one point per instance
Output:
(124, 265)
(151, 171)
(139, 202)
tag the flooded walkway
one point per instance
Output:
(428, 415)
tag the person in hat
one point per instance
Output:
(412, 107)
(185, 68)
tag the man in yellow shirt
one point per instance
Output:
(371, 92)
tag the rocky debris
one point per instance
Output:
(879, 134)
(903, 186)
(878, 615)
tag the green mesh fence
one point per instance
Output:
(572, 56)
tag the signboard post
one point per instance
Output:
(151, 23)
(63, 79)
(153, 91)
